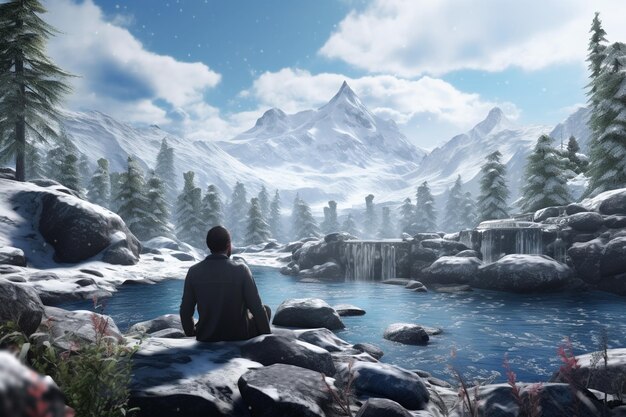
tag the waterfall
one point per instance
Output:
(529, 241)
(497, 242)
(370, 261)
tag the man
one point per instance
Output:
(229, 306)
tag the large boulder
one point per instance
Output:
(79, 230)
(382, 407)
(585, 258)
(322, 338)
(406, 333)
(613, 259)
(388, 381)
(545, 213)
(12, 256)
(451, 269)
(613, 202)
(523, 273)
(286, 391)
(348, 310)
(20, 304)
(272, 349)
(319, 252)
(326, 270)
(119, 253)
(307, 313)
(574, 208)
(166, 321)
(585, 222)
(615, 222)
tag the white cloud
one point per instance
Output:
(119, 76)
(388, 96)
(413, 37)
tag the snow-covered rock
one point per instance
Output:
(325, 270)
(166, 321)
(585, 222)
(20, 304)
(377, 407)
(585, 258)
(613, 259)
(348, 310)
(322, 338)
(307, 313)
(12, 256)
(451, 270)
(406, 333)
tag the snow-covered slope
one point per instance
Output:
(575, 125)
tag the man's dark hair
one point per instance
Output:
(218, 239)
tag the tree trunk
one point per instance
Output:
(20, 124)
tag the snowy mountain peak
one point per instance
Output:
(271, 116)
(495, 121)
(345, 95)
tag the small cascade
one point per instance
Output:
(370, 260)
(497, 242)
(529, 241)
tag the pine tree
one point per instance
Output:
(425, 214)
(212, 214)
(407, 217)
(304, 225)
(99, 191)
(164, 169)
(386, 227)
(575, 163)
(545, 183)
(330, 224)
(349, 226)
(131, 199)
(84, 171)
(189, 225)
(31, 86)
(115, 180)
(258, 229)
(237, 212)
(54, 160)
(468, 212)
(452, 220)
(275, 221)
(370, 227)
(156, 221)
(492, 201)
(68, 173)
(33, 164)
(264, 202)
(597, 50)
(607, 159)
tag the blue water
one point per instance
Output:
(482, 326)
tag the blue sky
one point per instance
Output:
(208, 69)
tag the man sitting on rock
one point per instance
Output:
(229, 305)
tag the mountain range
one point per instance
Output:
(341, 151)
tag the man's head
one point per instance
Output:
(218, 240)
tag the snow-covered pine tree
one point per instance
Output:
(84, 170)
(304, 224)
(330, 224)
(454, 206)
(597, 53)
(54, 160)
(349, 226)
(406, 222)
(258, 230)
(425, 214)
(576, 164)
(131, 198)
(264, 202)
(492, 201)
(164, 168)
(68, 173)
(189, 225)
(212, 214)
(115, 180)
(34, 166)
(607, 159)
(99, 190)
(370, 225)
(386, 230)
(237, 212)
(275, 219)
(545, 185)
(468, 212)
(156, 221)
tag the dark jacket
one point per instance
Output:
(224, 291)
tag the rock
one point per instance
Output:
(438, 382)
(326, 270)
(307, 313)
(12, 256)
(574, 208)
(615, 222)
(585, 222)
(382, 407)
(322, 338)
(396, 281)
(345, 310)
(318, 253)
(543, 214)
(146, 250)
(10, 269)
(406, 333)
(388, 381)
(271, 245)
(583, 237)
(423, 254)
(166, 321)
(449, 246)
(470, 253)
(65, 327)
(271, 349)
(523, 273)
(417, 267)
(424, 236)
(451, 269)
(15, 278)
(85, 281)
(182, 256)
(78, 230)
(613, 202)
(615, 284)
(7, 173)
(413, 285)
(598, 376)
(420, 289)
(162, 242)
(613, 259)
(585, 258)
(169, 334)
(42, 276)
(451, 289)
(158, 258)
(372, 350)
(23, 391)
(119, 254)
(285, 390)
(20, 304)
(92, 272)
(338, 237)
